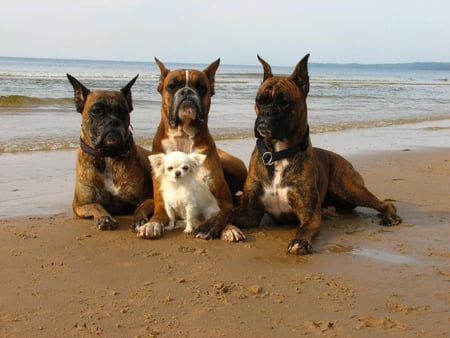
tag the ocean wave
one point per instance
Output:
(20, 101)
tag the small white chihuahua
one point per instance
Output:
(184, 187)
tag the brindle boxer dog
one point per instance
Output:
(186, 99)
(288, 178)
(112, 172)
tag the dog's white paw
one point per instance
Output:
(149, 230)
(232, 234)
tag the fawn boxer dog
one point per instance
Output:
(288, 178)
(186, 99)
(112, 172)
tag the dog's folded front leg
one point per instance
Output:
(154, 228)
(310, 218)
(102, 219)
(212, 227)
(143, 212)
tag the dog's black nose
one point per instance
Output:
(114, 123)
(266, 112)
(177, 173)
(186, 92)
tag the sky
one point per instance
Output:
(195, 31)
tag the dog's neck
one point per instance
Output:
(186, 138)
(281, 150)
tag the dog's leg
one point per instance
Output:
(234, 171)
(213, 227)
(306, 204)
(155, 226)
(359, 195)
(350, 189)
(143, 212)
(102, 219)
(189, 220)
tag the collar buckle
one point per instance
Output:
(267, 158)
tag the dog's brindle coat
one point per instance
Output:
(112, 172)
(288, 178)
(186, 99)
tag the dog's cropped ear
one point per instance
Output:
(164, 72)
(197, 159)
(210, 72)
(267, 68)
(157, 164)
(300, 75)
(126, 91)
(80, 93)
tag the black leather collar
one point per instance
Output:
(108, 153)
(269, 157)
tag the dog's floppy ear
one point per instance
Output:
(126, 91)
(197, 159)
(80, 93)
(300, 75)
(210, 72)
(157, 163)
(267, 68)
(164, 72)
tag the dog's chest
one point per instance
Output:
(110, 182)
(178, 140)
(275, 197)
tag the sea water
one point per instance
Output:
(37, 112)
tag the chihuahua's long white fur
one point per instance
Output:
(184, 187)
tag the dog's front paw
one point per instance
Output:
(149, 230)
(300, 247)
(138, 223)
(232, 234)
(390, 220)
(203, 235)
(390, 217)
(106, 223)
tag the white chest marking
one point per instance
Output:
(178, 140)
(108, 180)
(275, 198)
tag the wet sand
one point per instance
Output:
(62, 277)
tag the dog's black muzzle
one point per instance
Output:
(113, 135)
(264, 123)
(186, 99)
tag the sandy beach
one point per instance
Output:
(61, 277)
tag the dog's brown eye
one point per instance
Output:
(283, 101)
(174, 84)
(201, 87)
(96, 111)
(185, 168)
(169, 168)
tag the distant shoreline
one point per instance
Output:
(415, 65)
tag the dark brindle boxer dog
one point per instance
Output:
(186, 98)
(112, 172)
(288, 178)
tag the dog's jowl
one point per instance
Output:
(288, 178)
(113, 174)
